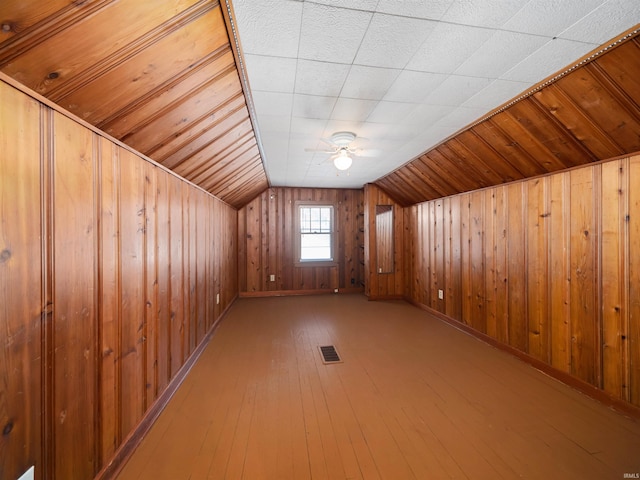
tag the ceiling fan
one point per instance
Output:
(342, 151)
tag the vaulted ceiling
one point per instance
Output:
(160, 76)
(170, 79)
(589, 114)
(403, 75)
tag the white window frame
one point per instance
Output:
(298, 235)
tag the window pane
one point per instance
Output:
(315, 246)
(315, 219)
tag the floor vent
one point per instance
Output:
(329, 354)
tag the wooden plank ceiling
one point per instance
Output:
(161, 76)
(591, 113)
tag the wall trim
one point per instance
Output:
(286, 293)
(133, 440)
(583, 387)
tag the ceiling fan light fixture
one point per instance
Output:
(342, 161)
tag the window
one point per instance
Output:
(315, 233)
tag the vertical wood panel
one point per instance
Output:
(438, 250)
(132, 263)
(201, 265)
(348, 267)
(151, 304)
(634, 281)
(193, 229)
(21, 273)
(560, 272)
(537, 274)
(467, 313)
(74, 277)
(253, 242)
(209, 252)
(220, 233)
(269, 240)
(410, 259)
(424, 290)
(187, 285)
(243, 257)
(614, 311)
(290, 196)
(490, 251)
(477, 260)
(454, 302)
(109, 298)
(177, 294)
(163, 248)
(229, 261)
(516, 276)
(446, 254)
(396, 280)
(584, 312)
(432, 242)
(501, 264)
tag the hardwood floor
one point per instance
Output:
(414, 398)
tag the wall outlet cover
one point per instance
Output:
(28, 475)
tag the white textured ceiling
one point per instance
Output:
(401, 74)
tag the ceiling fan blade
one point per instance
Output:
(328, 142)
(367, 152)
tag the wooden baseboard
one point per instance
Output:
(564, 377)
(285, 293)
(131, 442)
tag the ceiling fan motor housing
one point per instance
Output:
(343, 138)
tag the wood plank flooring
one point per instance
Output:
(414, 398)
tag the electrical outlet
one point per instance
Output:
(272, 278)
(217, 299)
(28, 475)
(440, 294)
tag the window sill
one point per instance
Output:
(316, 263)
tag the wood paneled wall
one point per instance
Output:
(267, 242)
(109, 271)
(382, 285)
(549, 266)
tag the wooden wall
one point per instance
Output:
(549, 266)
(382, 285)
(109, 271)
(267, 247)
